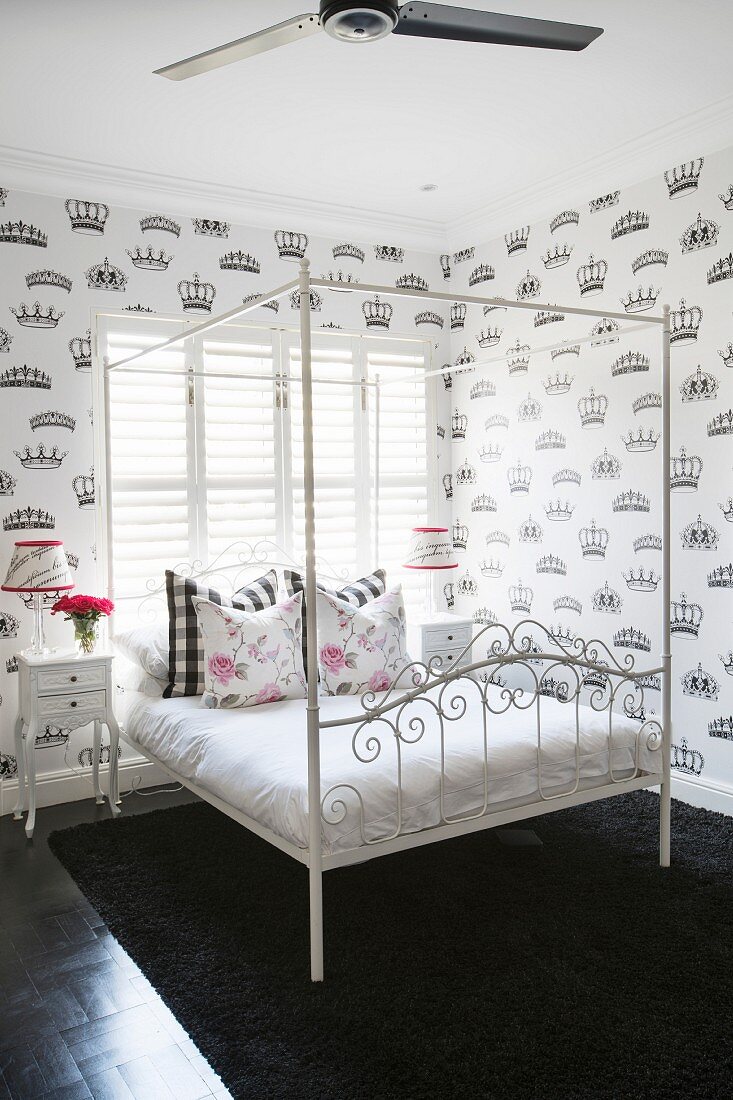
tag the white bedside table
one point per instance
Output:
(442, 635)
(67, 691)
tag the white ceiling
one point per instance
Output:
(338, 131)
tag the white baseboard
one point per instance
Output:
(709, 796)
(53, 788)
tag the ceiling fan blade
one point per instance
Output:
(468, 25)
(280, 35)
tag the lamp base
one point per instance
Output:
(37, 651)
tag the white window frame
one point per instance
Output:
(283, 337)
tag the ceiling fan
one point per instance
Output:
(369, 20)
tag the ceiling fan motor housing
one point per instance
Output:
(359, 22)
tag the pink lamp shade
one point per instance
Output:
(430, 548)
(38, 567)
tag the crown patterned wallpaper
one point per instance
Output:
(61, 258)
(556, 479)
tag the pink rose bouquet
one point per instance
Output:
(84, 612)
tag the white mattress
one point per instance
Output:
(255, 760)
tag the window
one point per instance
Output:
(206, 449)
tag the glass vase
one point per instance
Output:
(85, 638)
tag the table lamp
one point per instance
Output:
(430, 549)
(38, 567)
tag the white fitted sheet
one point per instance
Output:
(255, 760)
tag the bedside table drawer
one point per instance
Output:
(71, 704)
(51, 681)
(444, 637)
(448, 657)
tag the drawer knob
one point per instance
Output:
(450, 656)
(73, 679)
(450, 637)
(72, 703)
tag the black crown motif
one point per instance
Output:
(37, 317)
(721, 576)
(349, 251)
(550, 440)
(81, 351)
(7, 483)
(484, 273)
(484, 388)
(629, 637)
(700, 684)
(517, 240)
(684, 324)
(629, 223)
(51, 737)
(550, 563)
(196, 296)
(727, 509)
(449, 596)
(547, 317)
(3, 195)
(647, 401)
(106, 276)
(529, 286)
(315, 300)
(640, 300)
(465, 358)
(559, 511)
(210, 227)
(701, 234)
(498, 537)
(161, 223)
(28, 519)
(562, 636)
(52, 419)
(429, 317)
(137, 308)
(458, 315)
(463, 255)
(496, 420)
(641, 580)
(631, 500)
(22, 233)
(607, 600)
(684, 472)
(290, 245)
(529, 409)
(377, 313)
(700, 386)
(390, 253)
(518, 358)
(490, 452)
(647, 542)
(568, 603)
(411, 282)
(684, 177)
(603, 202)
(651, 258)
(459, 423)
(566, 349)
(685, 618)
(49, 278)
(9, 625)
(640, 439)
(520, 598)
(466, 474)
(727, 199)
(727, 661)
(491, 568)
(566, 217)
(87, 217)
(150, 259)
(721, 727)
(566, 476)
(558, 383)
(25, 378)
(445, 265)
(273, 304)
(722, 424)
(83, 486)
(700, 535)
(604, 332)
(592, 409)
(460, 536)
(721, 270)
(11, 666)
(43, 457)
(5, 341)
(484, 503)
(519, 478)
(556, 257)
(726, 354)
(631, 362)
(448, 486)
(687, 760)
(466, 585)
(530, 530)
(593, 541)
(489, 337)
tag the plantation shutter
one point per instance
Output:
(151, 528)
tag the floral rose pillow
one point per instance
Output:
(361, 648)
(251, 657)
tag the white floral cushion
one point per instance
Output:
(251, 657)
(361, 648)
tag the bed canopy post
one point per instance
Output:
(666, 655)
(315, 867)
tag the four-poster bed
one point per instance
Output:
(463, 719)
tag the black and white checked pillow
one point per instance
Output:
(186, 647)
(357, 593)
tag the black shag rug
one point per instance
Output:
(464, 969)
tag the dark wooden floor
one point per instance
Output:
(77, 1018)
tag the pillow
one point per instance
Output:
(132, 677)
(185, 649)
(251, 658)
(356, 593)
(361, 649)
(146, 646)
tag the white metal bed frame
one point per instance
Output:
(396, 713)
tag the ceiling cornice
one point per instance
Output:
(706, 130)
(48, 174)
